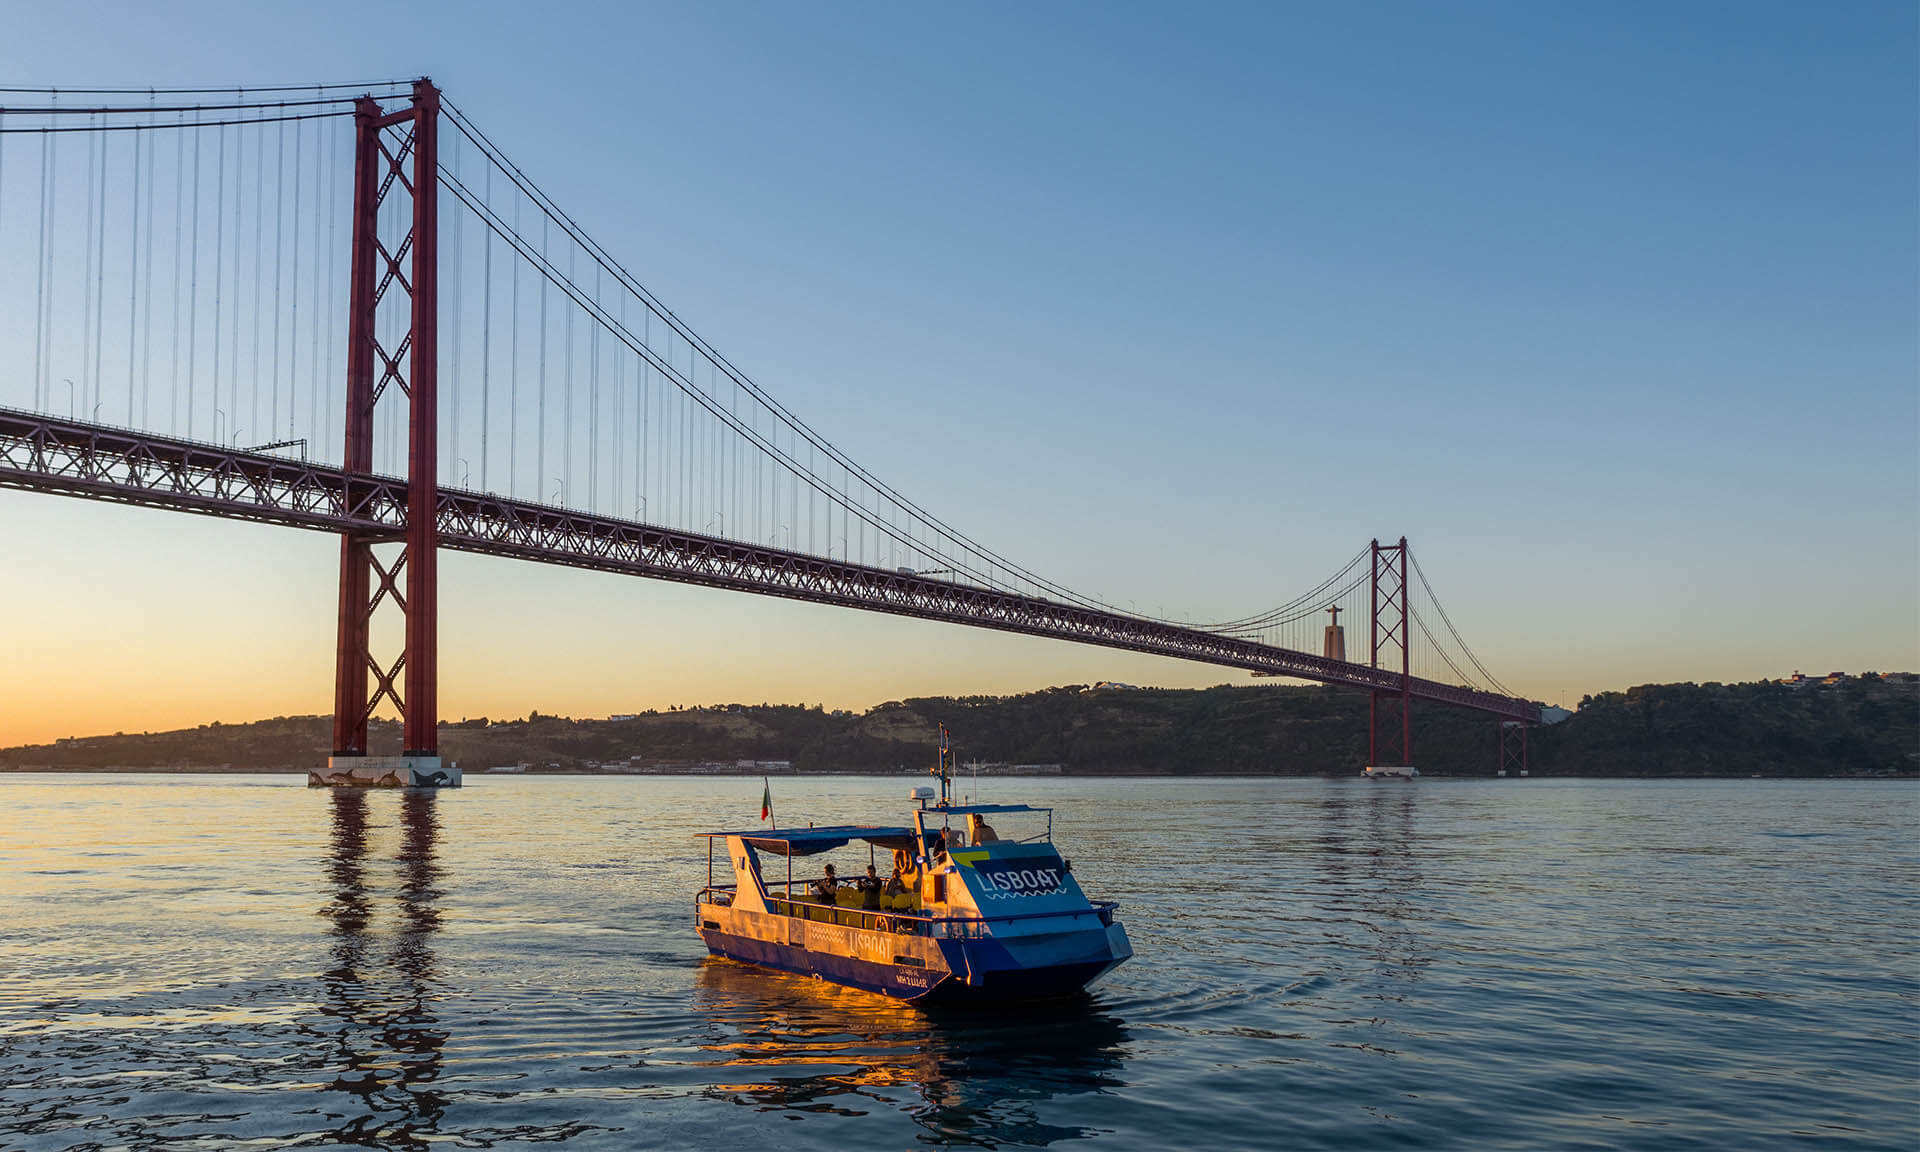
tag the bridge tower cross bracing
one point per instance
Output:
(395, 153)
(1387, 629)
(1513, 747)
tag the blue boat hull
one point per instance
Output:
(976, 970)
(1018, 984)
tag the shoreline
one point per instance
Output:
(44, 770)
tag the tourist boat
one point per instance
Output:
(981, 918)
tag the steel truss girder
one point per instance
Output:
(41, 454)
(44, 454)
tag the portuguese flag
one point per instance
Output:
(766, 799)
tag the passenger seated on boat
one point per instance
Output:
(869, 886)
(826, 888)
(899, 893)
(979, 831)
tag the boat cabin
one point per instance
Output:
(970, 897)
(951, 865)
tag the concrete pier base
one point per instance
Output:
(385, 772)
(1379, 771)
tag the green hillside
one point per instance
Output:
(1858, 726)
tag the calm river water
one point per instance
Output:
(219, 962)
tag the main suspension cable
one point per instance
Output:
(1464, 647)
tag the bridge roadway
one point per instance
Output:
(41, 453)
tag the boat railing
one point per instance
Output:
(974, 926)
(900, 921)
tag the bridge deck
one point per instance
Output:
(45, 454)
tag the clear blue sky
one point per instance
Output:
(1611, 308)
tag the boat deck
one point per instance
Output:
(903, 921)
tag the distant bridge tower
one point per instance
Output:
(396, 153)
(1513, 747)
(1389, 629)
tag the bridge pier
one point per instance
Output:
(386, 772)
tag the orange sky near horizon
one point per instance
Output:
(140, 620)
(206, 620)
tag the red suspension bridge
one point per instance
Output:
(228, 284)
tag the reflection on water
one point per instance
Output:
(380, 1001)
(782, 1042)
(1392, 886)
(1369, 877)
(1368, 858)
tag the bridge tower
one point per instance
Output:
(396, 154)
(1387, 630)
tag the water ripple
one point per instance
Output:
(200, 963)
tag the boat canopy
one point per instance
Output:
(984, 809)
(808, 841)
